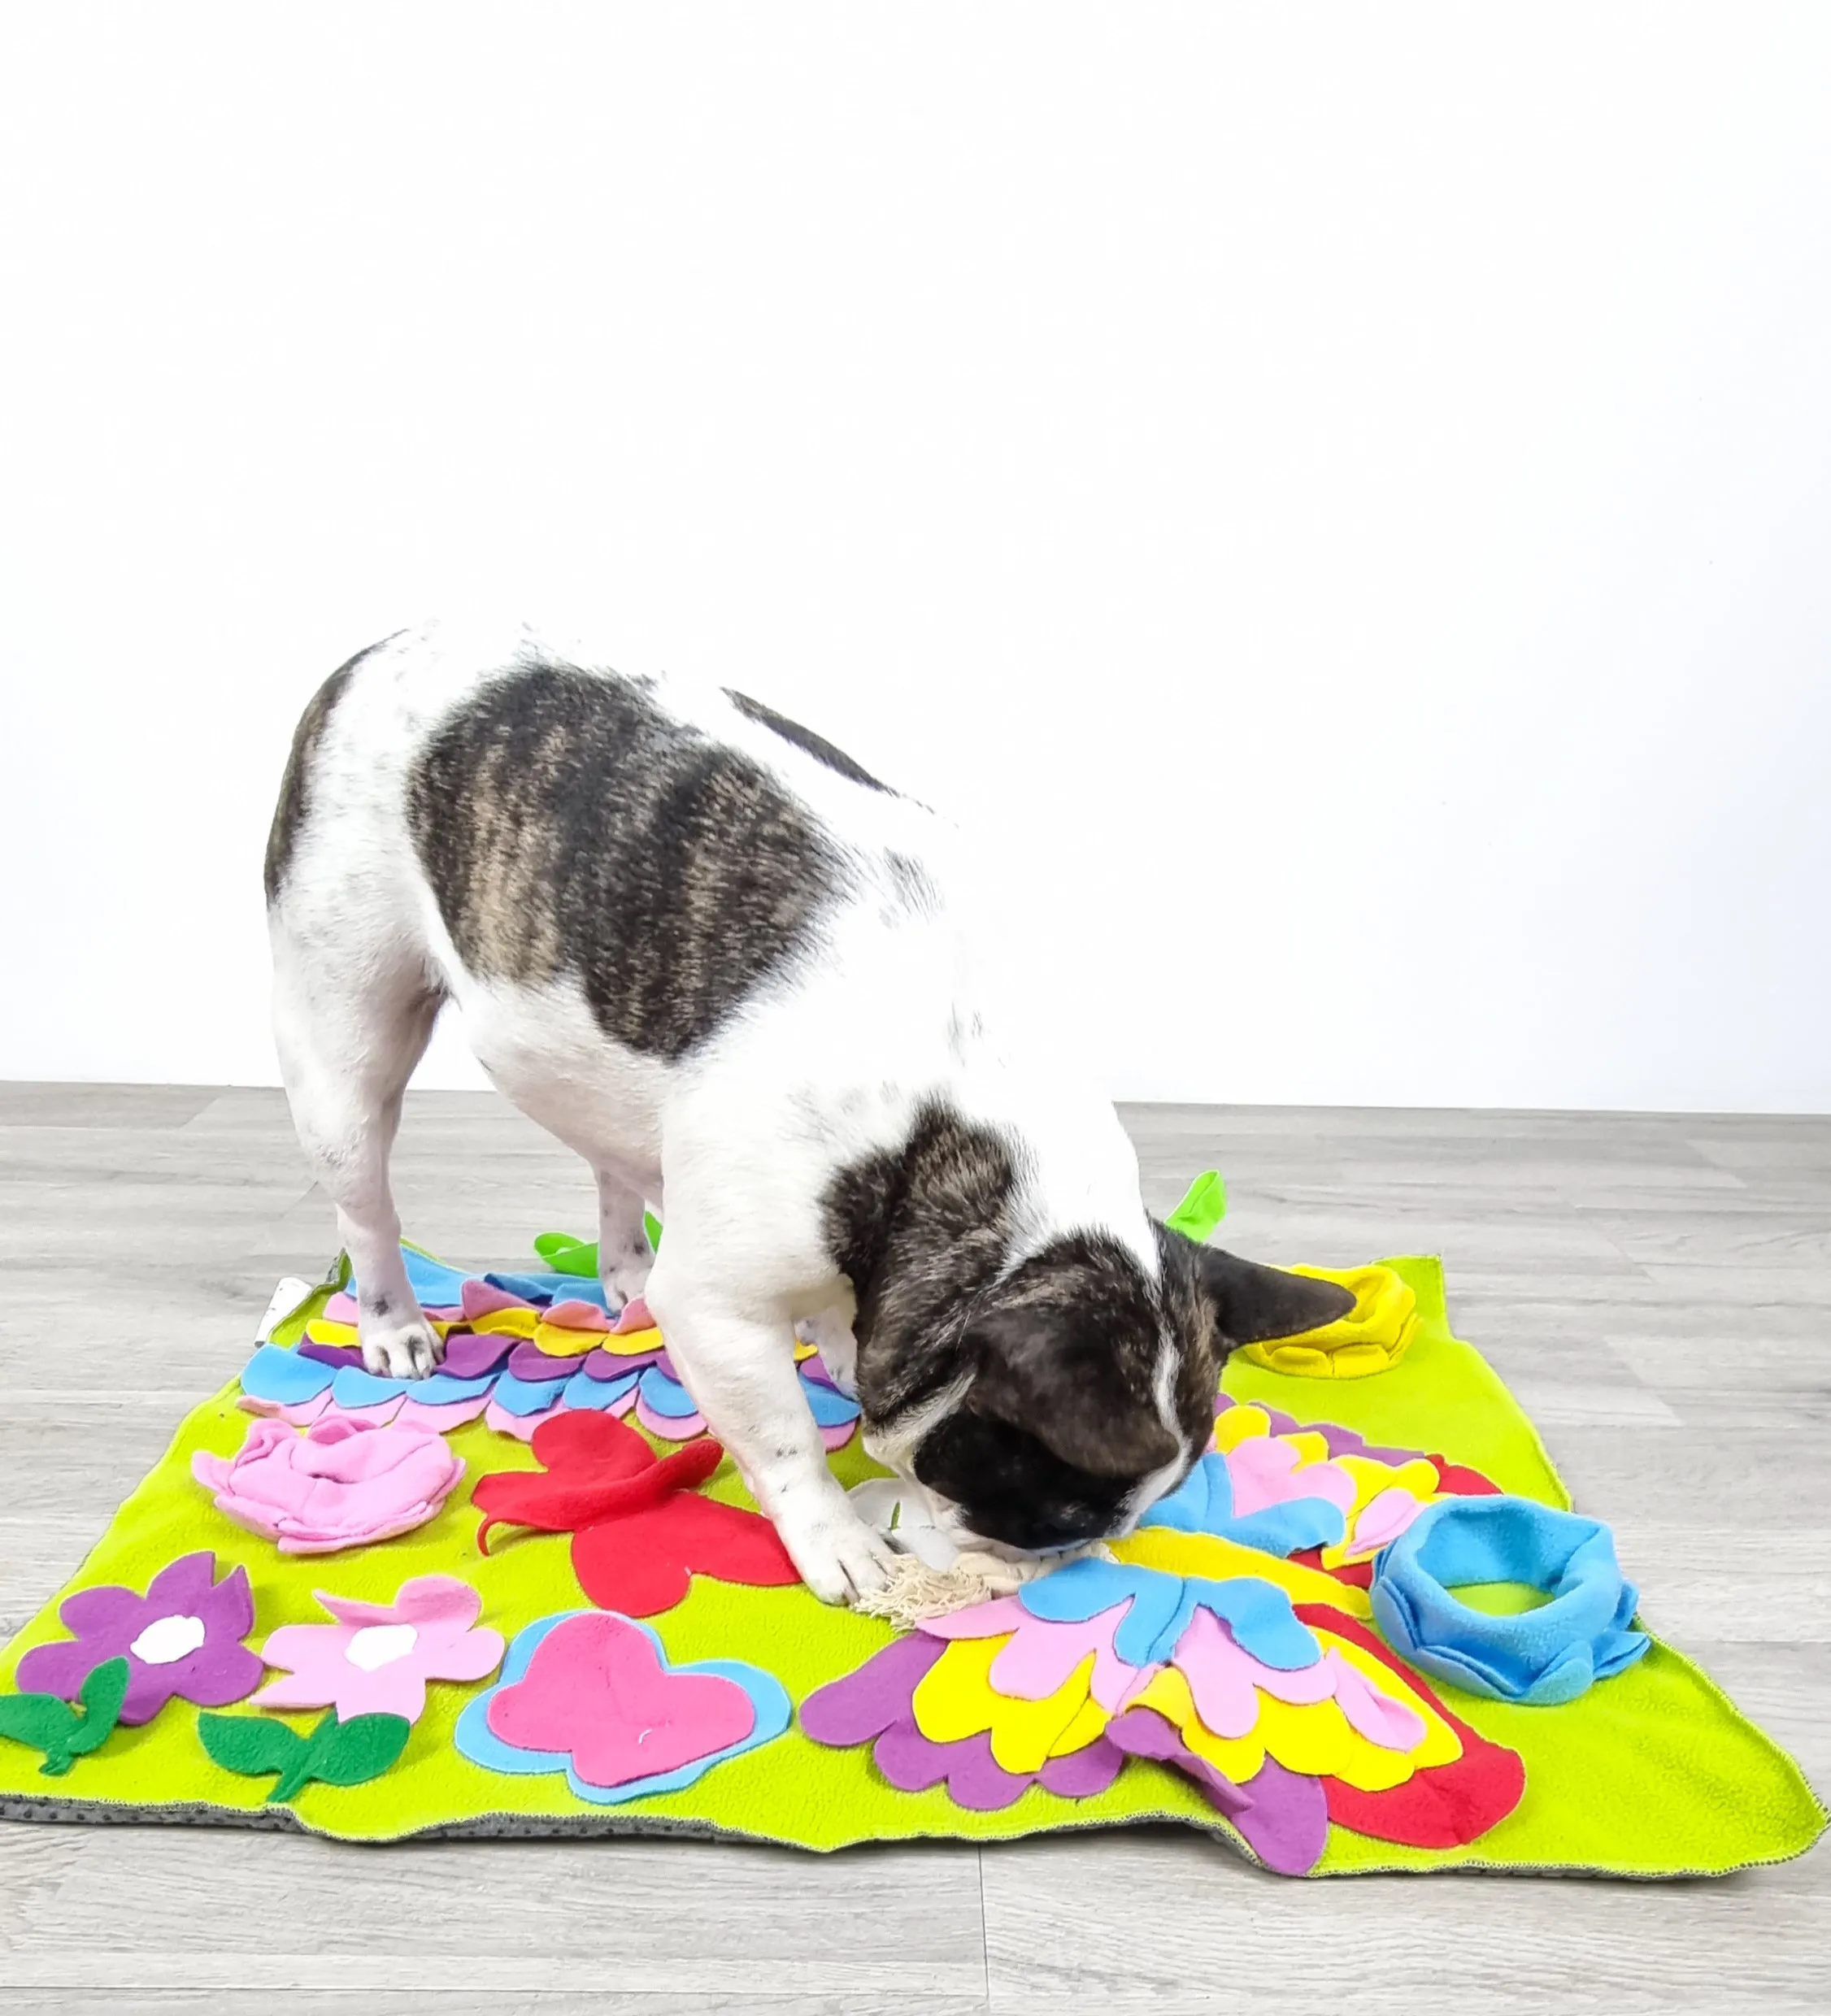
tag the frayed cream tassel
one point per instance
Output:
(916, 1591)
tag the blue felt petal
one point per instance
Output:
(1257, 1613)
(667, 1396)
(552, 1287)
(582, 1390)
(523, 1396)
(1200, 1503)
(282, 1377)
(1084, 1588)
(830, 1407)
(355, 1388)
(474, 1738)
(435, 1285)
(1289, 1528)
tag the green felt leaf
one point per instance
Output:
(1203, 1206)
(652, 1225)
(101, 1694)
(352, 1752)
(565, 1254)
(44, 1723)
(249, 1745)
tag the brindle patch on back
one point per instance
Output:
(295, 786)
(567, 824)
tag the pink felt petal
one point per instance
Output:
(838, 1435)
(670, 1427)
(1394, 1725)
(521, 1426)
(299, 1414)
(635, 1317)
(1386, 1518)
(479, 1298)
(442, 1419)
(1044, 1654)
(1265, 1471)
(1220, 1676)
(597, 1687)
(341, 1308)
(473, 1656)
(995, 1619)
(575, 1315)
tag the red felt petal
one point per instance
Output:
(584, 1438)
(643, 1563)
(728, 1543)
(1464, 1482)
(1448, 1805)
(626, 1564)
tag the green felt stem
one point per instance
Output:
(41, 1721)
(1204, 1205)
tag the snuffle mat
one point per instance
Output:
(530, 1595)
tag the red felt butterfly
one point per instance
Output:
(640, 1530)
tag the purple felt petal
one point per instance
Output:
(61, 1668)
(1286, 1826)
(812, 1368)
(605, 1365)
(974, 1779)
(864, 1704)
(338, 1355)
(529, 1362)
(665, 1364)
(1083, 1774)
(1143, 1732)
(469, 1355)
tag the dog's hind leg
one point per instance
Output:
(352, 1021)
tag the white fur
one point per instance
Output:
(735, 1145)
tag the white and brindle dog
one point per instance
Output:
(733, 970)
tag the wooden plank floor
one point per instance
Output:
(1656, 1290)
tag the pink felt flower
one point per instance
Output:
(341, 1484)
(377, 1658)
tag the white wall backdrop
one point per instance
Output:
(1343, 493)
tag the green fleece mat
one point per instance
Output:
(394, 1714)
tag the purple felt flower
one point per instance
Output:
(874, 1705)
(183, 1637)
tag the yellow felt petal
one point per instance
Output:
(319, 1330)
(1442, 1744)
(1089, 1719)
(508, 1322)
(1174, 1552)
(1311, 1447)
(1238, 1425)
(955, 1698)
(1238, 1757)
(555, 1341)
(1370, 1477)
(1315, 1738)
(634, 1344)
(803, 1350)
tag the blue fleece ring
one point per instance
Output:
(1541, 1658)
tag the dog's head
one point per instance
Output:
(1084, 1388)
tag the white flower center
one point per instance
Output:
(380, 1644)
(168, 1639)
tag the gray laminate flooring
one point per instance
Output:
(1656, 1290)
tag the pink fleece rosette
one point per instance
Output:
(341, 1484)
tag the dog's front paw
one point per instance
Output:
(401, 1351)
(840, 1557)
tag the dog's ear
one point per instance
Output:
(1254, 1304)
(1060, 1376)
